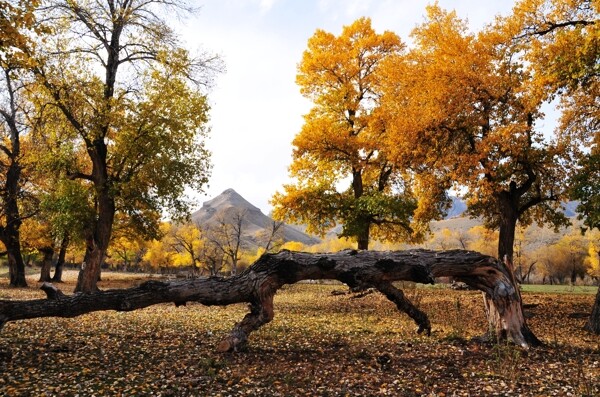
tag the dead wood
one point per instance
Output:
(258, 284)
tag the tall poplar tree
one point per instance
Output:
(469, 107)
(466, 107)
(342, 171)
(563, 42)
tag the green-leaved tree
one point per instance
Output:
(132, 99)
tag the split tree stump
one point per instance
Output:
(258, 284)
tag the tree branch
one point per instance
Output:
(549, 27)
(79, 175)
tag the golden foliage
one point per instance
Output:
(159, 253)
(342, 170)
(593, 259)
(462, 108)
(17, 23)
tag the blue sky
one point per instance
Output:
(256, 106)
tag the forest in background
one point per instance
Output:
(542, 255)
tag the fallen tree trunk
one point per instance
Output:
(258, 284)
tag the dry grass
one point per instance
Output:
(318, 344)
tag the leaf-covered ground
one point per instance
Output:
(317, 345)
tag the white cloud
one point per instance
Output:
(266, 5)
(357, 8)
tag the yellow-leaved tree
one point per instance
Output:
(341, 168)
(188, 241)
(159, 251)
(126, 250)
(18, 27)
(37, 240)
(465, 106)
(563, 41)
(593, 259)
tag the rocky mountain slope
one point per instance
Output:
(227, 206)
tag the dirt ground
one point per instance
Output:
(317, 345)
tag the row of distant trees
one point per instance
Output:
(571, 257)
(225, 248)
(221, 248)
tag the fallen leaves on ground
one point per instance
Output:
(318, 344)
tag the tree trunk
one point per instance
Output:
(363, 235)
(258, 284)
(97, 244)
(60, 262)
(509, 215)
(363, 223)
(10, 233)
(48, 253)
(89, 275)
(16, 265)
(11, 189)
(234, 265)
(16, 268)
(508, 224)
(593, 324)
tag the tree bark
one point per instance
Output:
(48, 253)
(11, 191)
(508, 203)
(363, 236)
(16, 265)
(363, 222)
(593, 323)
(9, 234)
(60, 262)
(97, 244)
(16, 268)
(89, 275)
(258, 284)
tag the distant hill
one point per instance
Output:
(458, 208)
(229, 203)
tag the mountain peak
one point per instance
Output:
(225, 207)
(230, 198)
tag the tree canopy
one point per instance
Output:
(471, 111)
(132, 101)
(343, 172)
